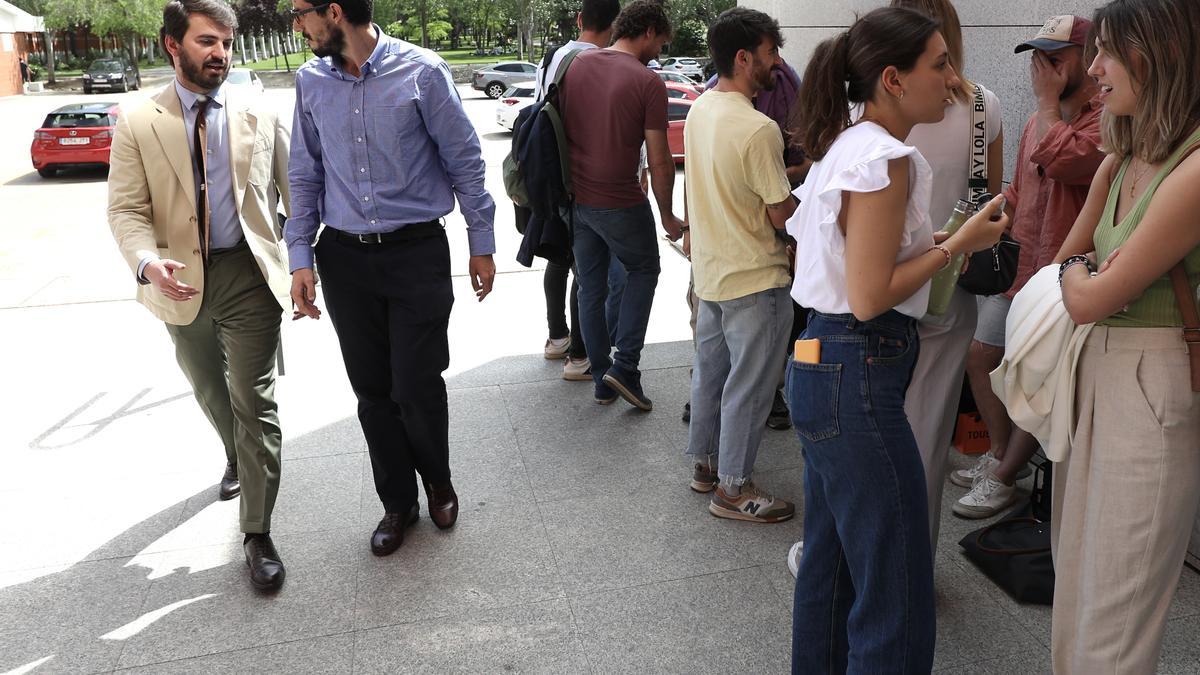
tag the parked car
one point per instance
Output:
(680, 78)
(654, 64)
(244, 77)
(115, 74)
(677, 112)
(685, 66)
(79, 134)
(681, 91)
(515, 98)
(495, 80)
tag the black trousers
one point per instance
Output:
(390, 306)
(554, 283)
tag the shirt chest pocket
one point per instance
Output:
(394, 131)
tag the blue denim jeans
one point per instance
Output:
(864, 595)
(628, 235)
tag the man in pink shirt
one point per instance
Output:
(1058, 156)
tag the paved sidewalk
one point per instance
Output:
(579, 549)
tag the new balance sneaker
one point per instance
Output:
(577, 370)
(987, 498)
(966, 477)
(704, 478)
(751, 504)
(795, 553)
(604, 394)
(629, 386)
(779, 417)
(557, 349)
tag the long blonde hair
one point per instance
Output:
(945, 14)
(1156, 41)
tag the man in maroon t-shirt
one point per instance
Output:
(611, 105)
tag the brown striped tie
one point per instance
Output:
(199, 155)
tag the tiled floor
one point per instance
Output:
(579, 549)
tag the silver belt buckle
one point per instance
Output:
(370, 238)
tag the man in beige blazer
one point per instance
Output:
(201, 237)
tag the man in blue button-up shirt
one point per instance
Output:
(381, 147)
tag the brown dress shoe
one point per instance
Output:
(230, 487)
(443, 505)
(389, 535)
(266, 569)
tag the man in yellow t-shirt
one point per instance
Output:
(738, 198)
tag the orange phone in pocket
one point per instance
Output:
(807, 351)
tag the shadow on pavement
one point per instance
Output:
(69, 176)
(58, 619)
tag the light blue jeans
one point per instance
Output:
(740, 349)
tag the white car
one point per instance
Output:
(685, 66)
(512, 102)
(244, 77)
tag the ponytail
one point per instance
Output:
(822, 109)
(845, 70)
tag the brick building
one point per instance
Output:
(18, 32)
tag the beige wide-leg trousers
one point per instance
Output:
(1124, 501)
(932, 399)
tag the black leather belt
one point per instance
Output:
(424, 230)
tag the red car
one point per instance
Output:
(74, 135)
(677, 112)
(681, 91)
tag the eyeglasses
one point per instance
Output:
(295, 14)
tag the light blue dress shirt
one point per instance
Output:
(225, 228)
(387, 149)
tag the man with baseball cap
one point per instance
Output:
(1057, 159)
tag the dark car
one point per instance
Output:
(114, 74)
(74, 135)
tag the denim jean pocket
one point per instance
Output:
(890, 350)
(813, 390)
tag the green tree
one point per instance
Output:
(38, 8)
(126, 19)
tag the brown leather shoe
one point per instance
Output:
(230, 487)
(389, 535)
(443, 505)
(266, 569)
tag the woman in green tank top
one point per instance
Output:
(1126, 498)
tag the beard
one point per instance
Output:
(199, 74)
(766, 79)
(334, 43)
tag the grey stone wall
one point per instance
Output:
(991, 28)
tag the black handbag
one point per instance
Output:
(1014, 552)
(992, 270)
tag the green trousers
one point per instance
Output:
(228, 355)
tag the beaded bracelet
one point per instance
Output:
(946, 252)
(1071, 262)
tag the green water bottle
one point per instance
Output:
(942, 285)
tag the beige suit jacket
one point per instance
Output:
(152, 193)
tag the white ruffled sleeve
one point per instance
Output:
(869, 175)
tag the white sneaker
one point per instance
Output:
(577, 370)
(987, 498)
(967, 477)
(795, 553)
(557, 349)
